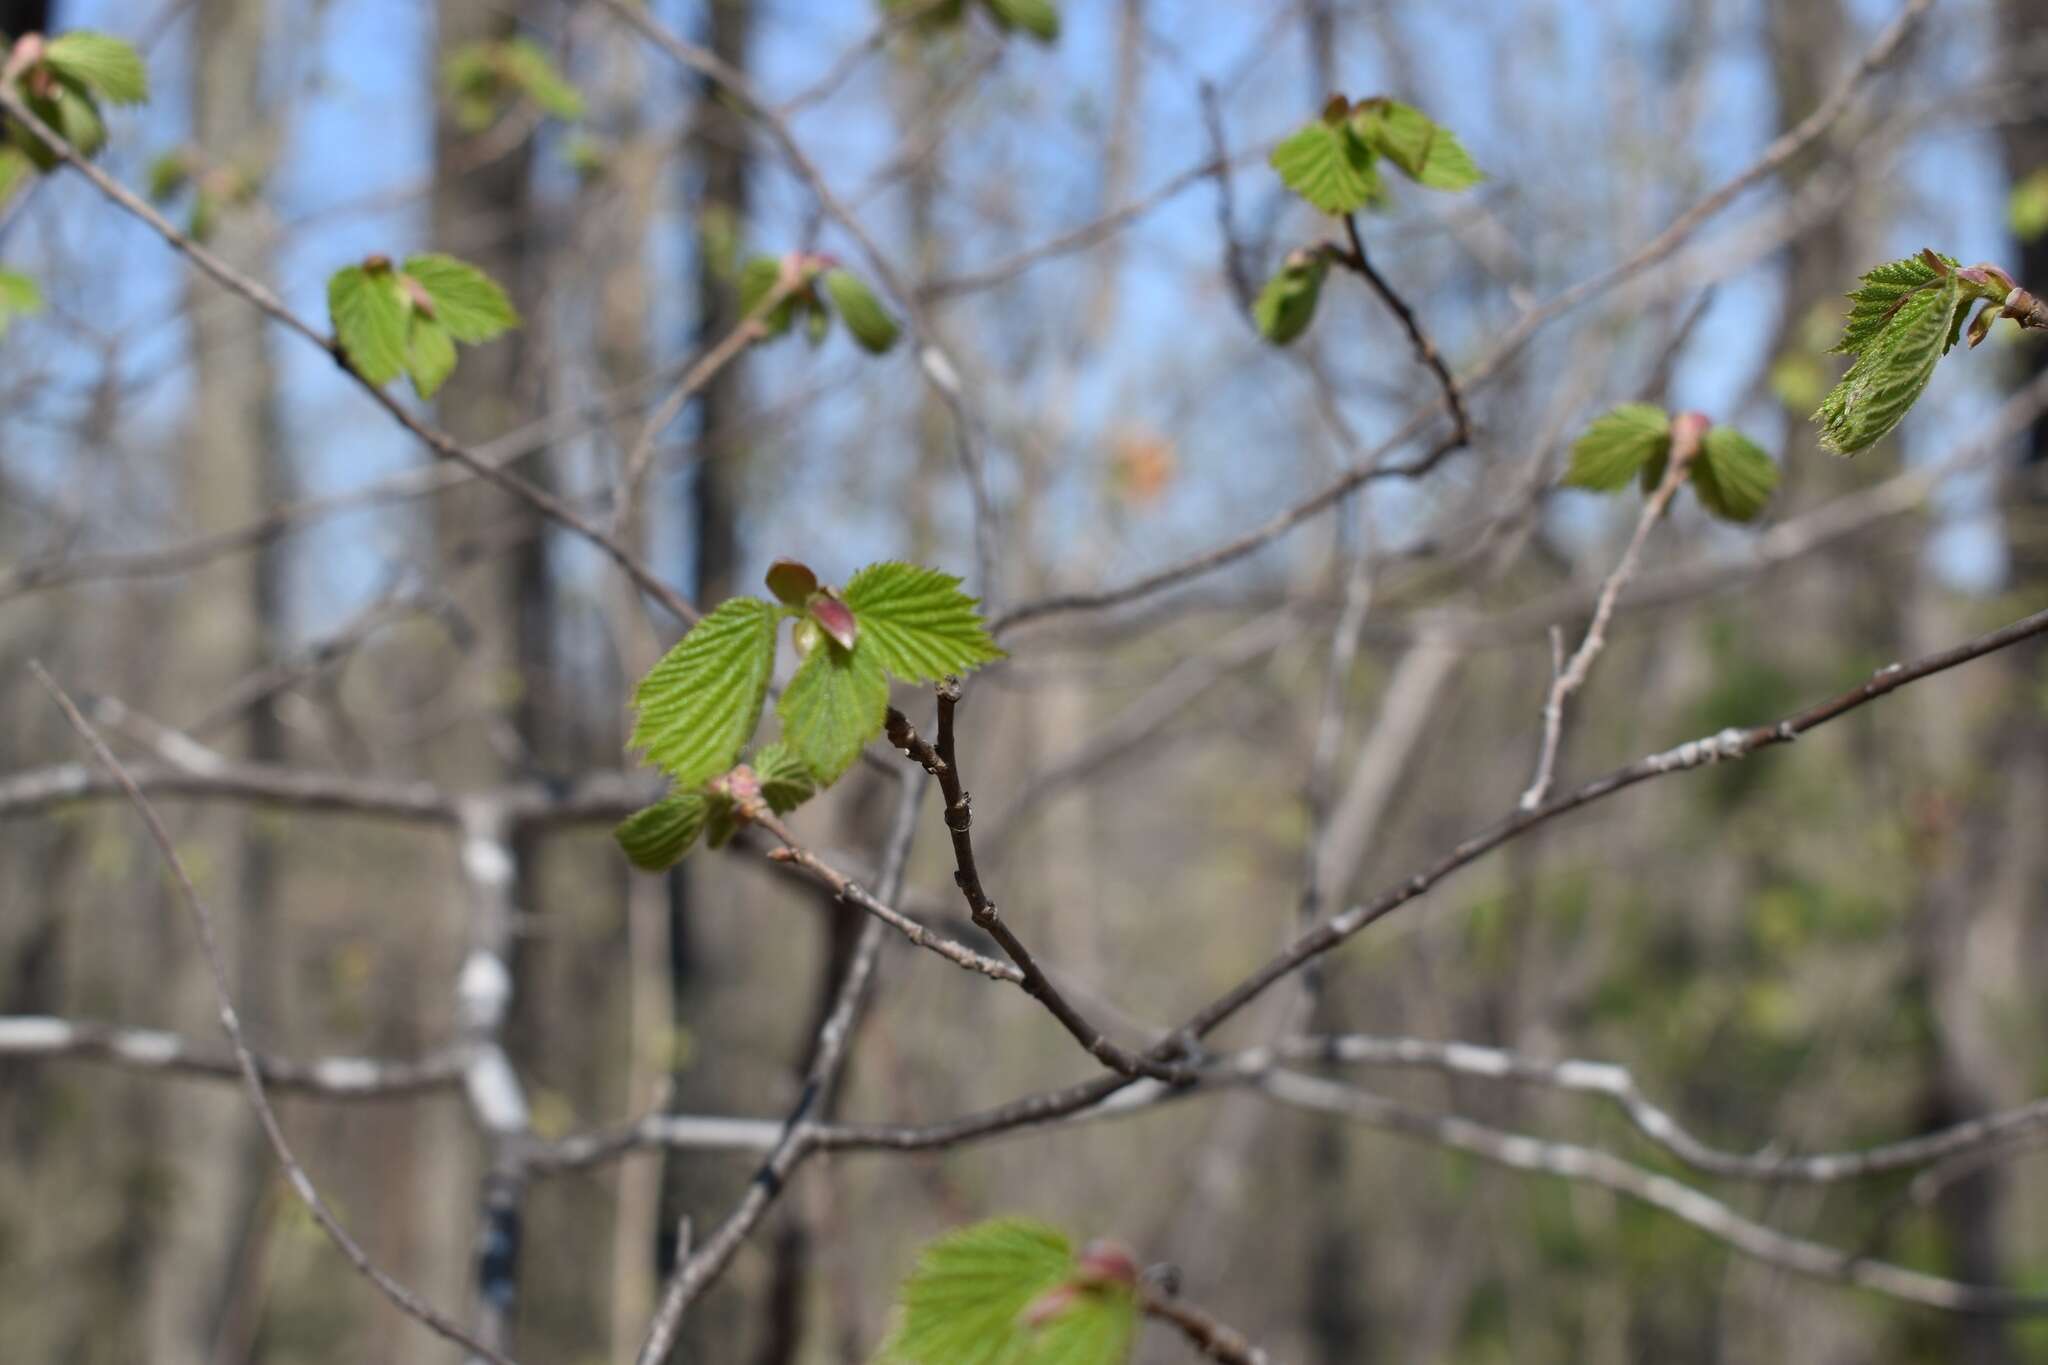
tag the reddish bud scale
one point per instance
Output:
(791, 581)
(835, 618)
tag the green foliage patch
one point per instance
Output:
(700, 705)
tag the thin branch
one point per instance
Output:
(231, 1024)
(1616, 1083)
(851, 892)
(1686, 430)
(1207, 1334)
(154, 1050)
(942, 762)
(1726, 746)
(1356, 260)
(698, 1271)
(1091, 233)
(668, 1314)
(1585, 1165)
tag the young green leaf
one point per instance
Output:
(466, 301)
(108, 67)
(1039, 18)
(1429, 153)
(1892, 370)
(535, 72)
(1329, 165)
(429, 354)
(965, 1301)
(758, 278)
(785, 779)
(817, 319)
(699, 705)
(832, 707)
(15, 169)
(19, 297)
(1089, 1326)
(861, 311)
(1879, 295)
(68, 108)
(169, 174)
(369, 320)
(917, 622)
(1287, 304)
(1732, 475)
(1619, 445)
(655, 839)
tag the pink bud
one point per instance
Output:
(835, 618)
(1105, 1262)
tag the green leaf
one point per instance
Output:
(758, 278)
(69, 111)
(1096, 1327)
(2026, 209)
(1892, 371)
(1039, 18)
(466, 301)
(19, 297)
(15, 168)
(817, 320)
(1329, 165)
(1732, 475)
(832, 707)
(963, 1303)
(699, 705)
(656, 838)
(786, 780)
(917, 623)
(1879, 297)
(369, 321)
(169, 174)
(1428, 152)
(429, 355)
(1619, 445)
(535, 72)
(1287, 304)
(105, 65)
(861, 311)
(721, 820)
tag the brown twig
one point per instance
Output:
(1204, 1331)
(942, 762)
(1355, 260)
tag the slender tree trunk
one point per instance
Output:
(233, 468)
(483, 210)
(717, 214)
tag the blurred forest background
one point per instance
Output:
(321, 646)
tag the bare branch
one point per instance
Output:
(154, 1050)
(1520, 1152)
(1686, 430)
(1203, 1331)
